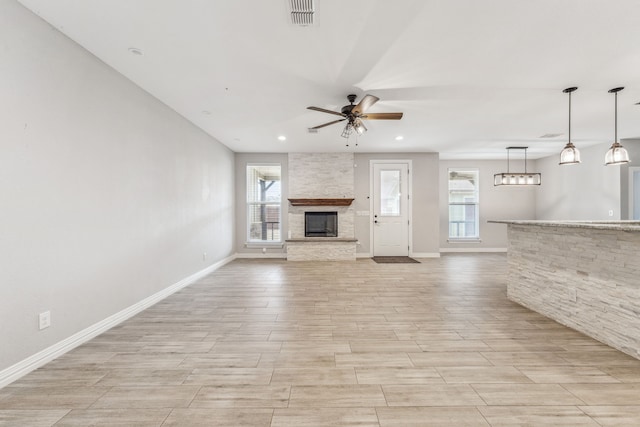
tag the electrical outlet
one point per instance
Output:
(204, 256)
(44, 320)
(611, 212)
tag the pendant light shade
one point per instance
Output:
(346, 132)
(359, 126)
(356, 126)
(617, 154)
(517, 178)
(570, 155)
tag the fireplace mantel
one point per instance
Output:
(321, 202)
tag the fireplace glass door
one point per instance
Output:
(321, 224)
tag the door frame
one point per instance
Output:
(409, 164)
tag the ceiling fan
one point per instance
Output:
(354, 114)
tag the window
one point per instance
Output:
(463, 204)
(263, 203)
(390, 193)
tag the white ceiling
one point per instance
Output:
(471, 76)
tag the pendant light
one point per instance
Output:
(570, 154)
(517, 178)
(617, 154)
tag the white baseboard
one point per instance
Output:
(14, 372)
(414, 255)
(443, 250)
(254, 255)
(425, 255)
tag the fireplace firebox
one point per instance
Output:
(321, 224)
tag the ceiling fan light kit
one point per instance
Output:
(517, 178)
(354, 114)
(346, 132)
(359, 127)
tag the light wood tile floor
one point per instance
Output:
(277, 343)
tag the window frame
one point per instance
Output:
(251, 203)
(475, 204)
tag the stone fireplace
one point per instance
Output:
(321, 182)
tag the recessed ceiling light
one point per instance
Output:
(135, 51)
(282, 138)
(399, 138)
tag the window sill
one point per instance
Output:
(260, 245)
(463, 240)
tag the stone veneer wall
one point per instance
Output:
(346, 218)
(319, 176)
(321, 251)
(569, 274)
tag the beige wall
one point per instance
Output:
(108, 196)
(495, 203)
(241, 162)
(587, 191)
(425, 200)
(424, 178)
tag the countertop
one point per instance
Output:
(598, 225)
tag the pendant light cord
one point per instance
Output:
(569, 117)
(509, 158)
(616, 119)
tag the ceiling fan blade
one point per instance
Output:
(323, 110)
(382, 116)
(365, 103)
(327, 124)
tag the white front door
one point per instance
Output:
(390, 209)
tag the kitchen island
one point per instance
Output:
(583, 274)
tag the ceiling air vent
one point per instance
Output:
(550, 135)
(301, 12)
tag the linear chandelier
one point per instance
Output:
(517, 178)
